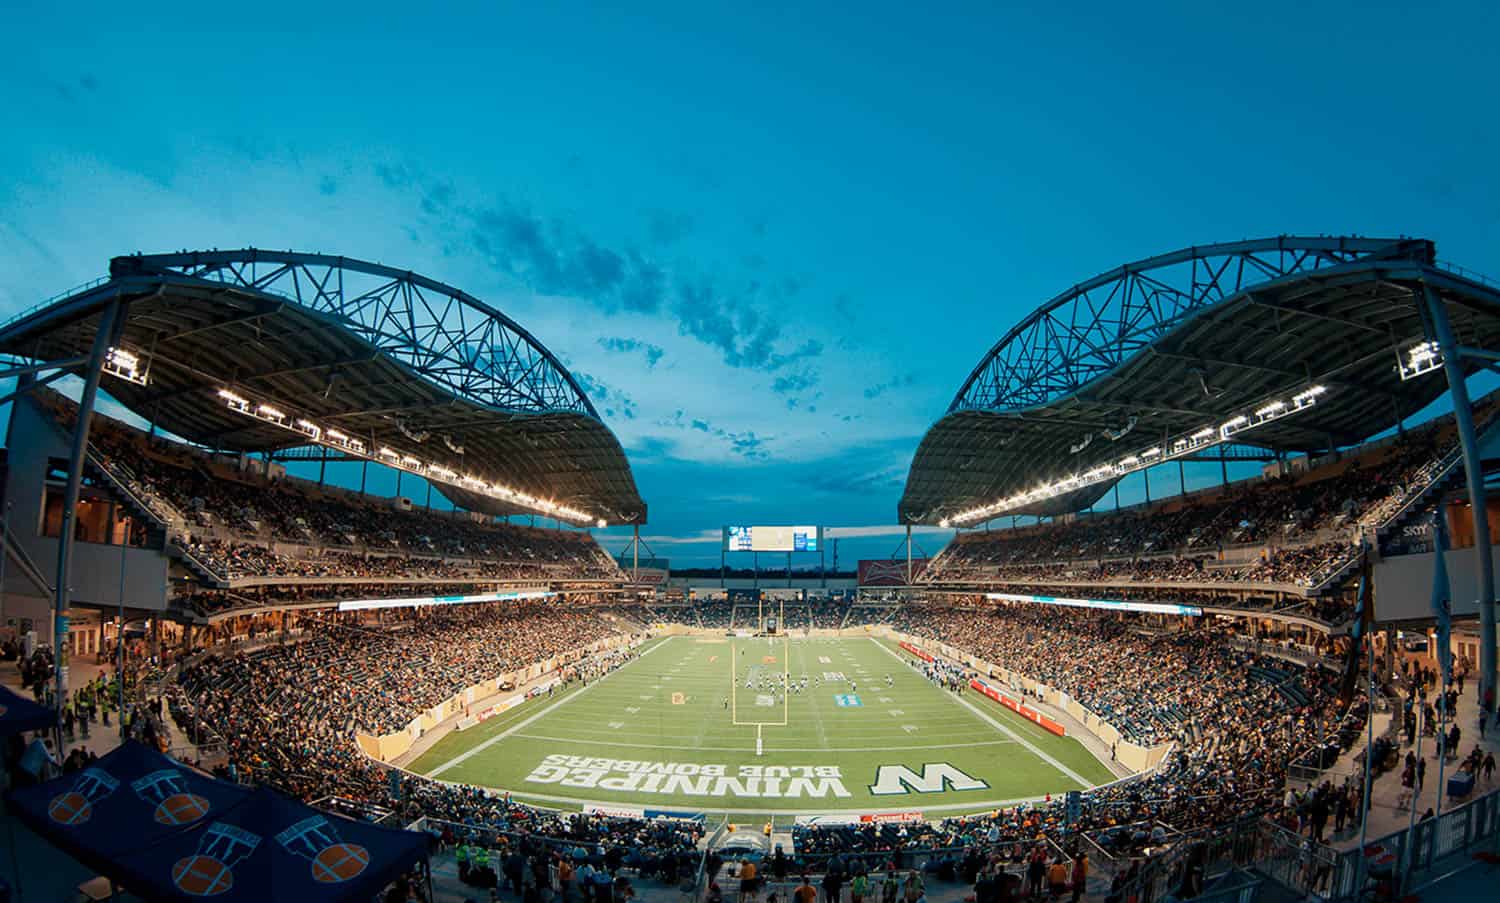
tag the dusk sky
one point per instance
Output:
(771, 241)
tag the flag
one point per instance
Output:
(1441, 598)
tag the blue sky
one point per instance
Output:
(772, 239)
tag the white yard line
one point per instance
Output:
(1032, 748)
(465, 756)
(779, 749)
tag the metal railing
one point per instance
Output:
(46, 302)
(1465, 272)
(1431, 850)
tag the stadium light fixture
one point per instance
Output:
(1204, 437)
(391, 458)
(1232, 425)
(1421, 358)
(125, 365)
(1308, 397)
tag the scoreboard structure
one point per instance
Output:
(746, 538)
(796, 539)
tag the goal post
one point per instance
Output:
(746, 663)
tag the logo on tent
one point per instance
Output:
(332, 859)
(76, 806)
(174, 804)
(210, 871)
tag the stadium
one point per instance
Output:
(321, 692)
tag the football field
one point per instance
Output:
(677, 729)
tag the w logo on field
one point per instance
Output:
(210, 871)
(168, 790)
(317, 840)
(935, 777)
(76, 806)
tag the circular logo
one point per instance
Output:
(339, 862)
(71, 808)
(202, 876)
(181, 809)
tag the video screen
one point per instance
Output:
(741, 538)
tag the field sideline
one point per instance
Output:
(661, 733)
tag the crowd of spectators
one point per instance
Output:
(1305, 566)
(287, 715)
(1236, 719)
(243, 525)
(1305, 524)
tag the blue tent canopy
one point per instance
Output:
(17, 714)
(165, 832)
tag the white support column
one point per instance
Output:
(1463, 416)
(103, 337)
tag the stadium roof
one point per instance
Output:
(1301, 337)
(359, 352)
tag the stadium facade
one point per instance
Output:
(1287, 346)
(1139, 686)
(256, 357)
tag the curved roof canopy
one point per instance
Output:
(382, 356)
(1138, 359)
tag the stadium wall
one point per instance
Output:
(33, 441)
(1132, 756)
(389, 747)
(1403, 585)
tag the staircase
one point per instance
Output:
(161, 515)
(1449, 470)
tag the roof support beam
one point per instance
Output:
(261, 312)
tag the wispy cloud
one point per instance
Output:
(609, 399)
(556, 257)
(900, 382)
(652, 352)
(702, 536)
(878, 530)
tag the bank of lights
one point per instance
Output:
(330, 438)
(1198, 440)
(125, 365)
(1421, 358)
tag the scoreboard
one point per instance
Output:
(741, 538)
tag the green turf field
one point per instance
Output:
(677, 729)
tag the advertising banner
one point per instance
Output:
(1020, 708)
(919, 653)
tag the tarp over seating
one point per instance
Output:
(165, 832)
(17, 714)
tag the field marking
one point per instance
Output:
(740, 749)
(975, 807)
(1031, 747)
(465, 756)
(684, 740)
